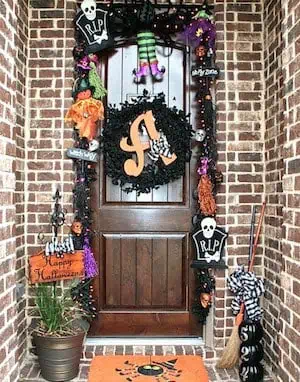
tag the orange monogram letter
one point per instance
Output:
(132, 167)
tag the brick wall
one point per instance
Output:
(289, 336)
(50, 82)
(240, 136)
(13, 23)
(274, 123)
(20, 170)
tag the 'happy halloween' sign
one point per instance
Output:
(43, 269)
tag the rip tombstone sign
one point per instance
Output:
(43, 269)
(209, 243)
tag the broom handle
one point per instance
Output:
(239, 317)
(257, 236)
(252, 234)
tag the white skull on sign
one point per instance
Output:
(200, 135)
(208, 226)
(89, 9)
(93, 145)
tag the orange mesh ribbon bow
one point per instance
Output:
(206, 199)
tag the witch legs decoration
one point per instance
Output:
(147, 58)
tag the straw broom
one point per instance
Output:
(231, 352)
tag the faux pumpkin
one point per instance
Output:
(250, 332)
(251, 354)
(254, 373)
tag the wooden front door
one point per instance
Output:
(145, 284)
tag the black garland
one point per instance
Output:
(83, 294)
(206, 286)
(170, 121)
(127, 18)
(85, 175)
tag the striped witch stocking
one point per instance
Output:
(147, 57)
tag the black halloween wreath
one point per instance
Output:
(168, 148)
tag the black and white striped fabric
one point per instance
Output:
(159, 147)
(247, 288)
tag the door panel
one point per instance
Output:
(145, 285)
(145, 271)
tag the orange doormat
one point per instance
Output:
(147, 369)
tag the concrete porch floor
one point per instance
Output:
(31, 372)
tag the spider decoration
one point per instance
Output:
(161, 371)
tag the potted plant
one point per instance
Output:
(60, 332)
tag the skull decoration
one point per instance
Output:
(201, 51)
(76, 227)
(93, 145)
(205, 300)
(208, 226)
(89, 9)
(200, 135)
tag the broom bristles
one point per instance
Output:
(231, 352)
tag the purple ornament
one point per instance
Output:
(203, 168)
(199, 32)
(90, 265)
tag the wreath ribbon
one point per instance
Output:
(247, 288)
(159, 147)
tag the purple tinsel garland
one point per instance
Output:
(90, 265)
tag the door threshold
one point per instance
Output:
(138, 341)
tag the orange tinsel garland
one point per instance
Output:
(85, 113)
(205, 196)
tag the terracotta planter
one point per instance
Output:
(59, 357)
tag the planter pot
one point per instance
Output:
(59, 357)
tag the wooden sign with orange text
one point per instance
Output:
(43, 269)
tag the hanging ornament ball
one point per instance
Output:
(200, 135)
(250, 332)
(251, 373)
(251, 354)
